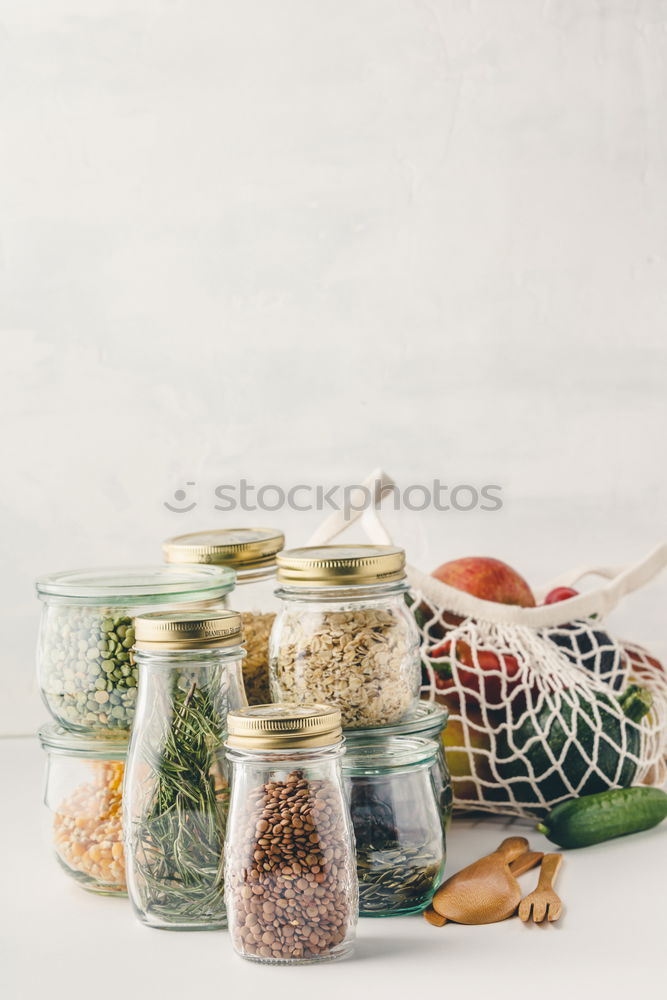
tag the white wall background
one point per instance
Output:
(291, 241)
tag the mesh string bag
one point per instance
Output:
(544, 704)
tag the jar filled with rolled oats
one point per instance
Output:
(345, 635)
(251, 553)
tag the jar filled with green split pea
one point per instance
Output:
(85, 663)
(251, 553)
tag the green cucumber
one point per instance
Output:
(592, 819)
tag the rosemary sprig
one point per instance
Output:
(179, 839)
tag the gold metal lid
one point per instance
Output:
(187, 630)
(283, 726)
(338, 565)
(236, 547)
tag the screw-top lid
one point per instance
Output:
(127, 585)
(187, 630)
(237, 547)
(283, 726)
(338, 565)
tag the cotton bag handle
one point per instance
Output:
(600, 601)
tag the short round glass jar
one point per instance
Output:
(344, 635)
(290, 882)
(83, 797)
(85, 663)
(176, 788)
(251, 553)
(400, 838)
(427, 720)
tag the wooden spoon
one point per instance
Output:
(482, 893)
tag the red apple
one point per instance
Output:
(560, 594)
(484, 682)
(488, 579)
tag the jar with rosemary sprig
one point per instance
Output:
(176, 789)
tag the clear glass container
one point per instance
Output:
(251, 553)
(85, 663)
(429, 720)
(176, 789)
(344, 634)
(290, 883)
(400, 837)
(83, 798)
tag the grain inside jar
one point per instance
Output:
(251, 553)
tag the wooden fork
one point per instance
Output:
(543, 902)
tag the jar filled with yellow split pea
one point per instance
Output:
(83, 797)
(251, 553)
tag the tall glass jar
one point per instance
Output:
(251, 553)
(291, 888)
(400, 839)
(428, 720)
(176, 789)
(85, 662)
(83, 797)
(344, 635)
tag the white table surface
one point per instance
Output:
(58, 942)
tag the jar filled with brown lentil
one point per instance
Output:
(83, 796)
(345, 635)
(290, 874)
(251, 553)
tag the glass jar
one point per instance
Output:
(290, 883)
(428, 720)
(400, 838)
(345, 635)
(82, 794)
(176, 788)
(85, 664)
(251, 553)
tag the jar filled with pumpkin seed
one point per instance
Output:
(400, 837)
(85, 662)
(251, 553)
(426, 720)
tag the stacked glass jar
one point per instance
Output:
(251, 553)
(88, 677)
(345, 636)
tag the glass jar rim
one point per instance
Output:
(249, 574)
(285, 754)
(389, 754)
(344, 592)
(57, 739)
(127, 585)
(427, 717)
(172, 656)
